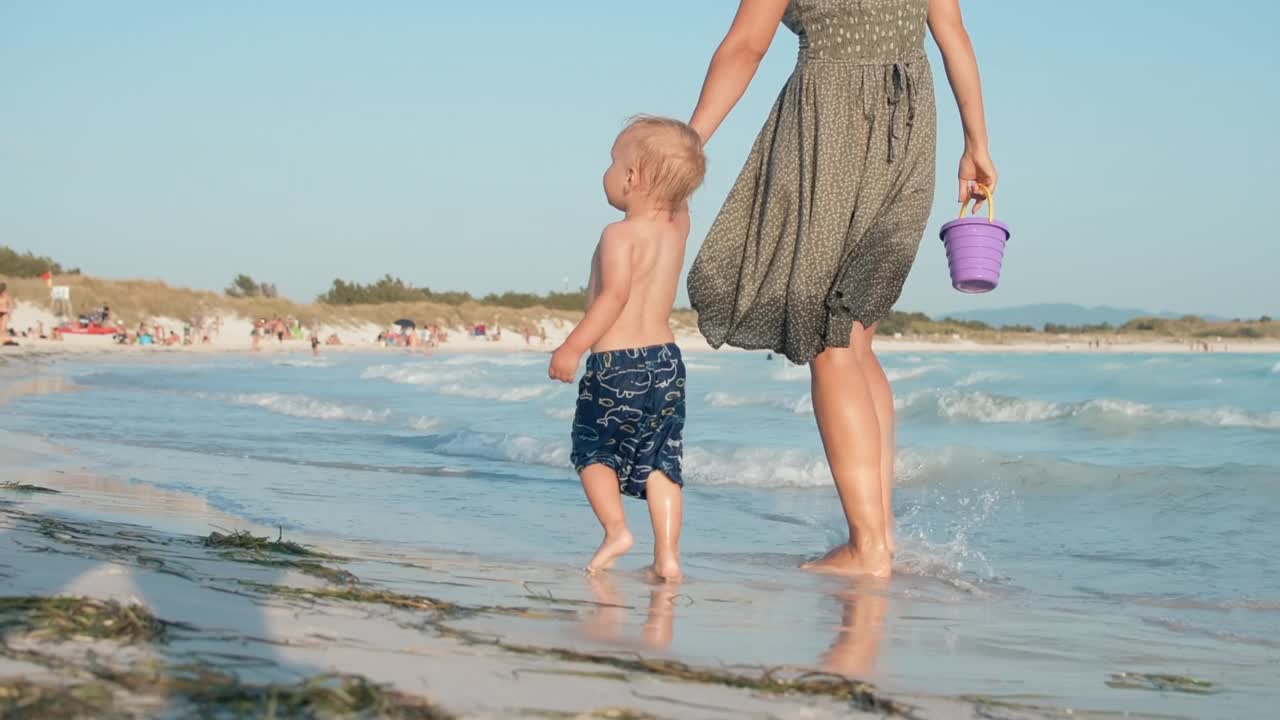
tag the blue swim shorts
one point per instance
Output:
(630, 415)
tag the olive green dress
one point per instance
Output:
(823, 224)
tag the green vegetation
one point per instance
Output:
(390, 289)
(29, 265)
(64, 618)
(244, 286)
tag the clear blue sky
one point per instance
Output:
(460, 145)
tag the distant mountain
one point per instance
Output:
(1061, 314)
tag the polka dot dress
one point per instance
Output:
(823, 223)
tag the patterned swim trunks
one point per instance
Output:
(630, 415)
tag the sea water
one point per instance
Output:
(1063, 518)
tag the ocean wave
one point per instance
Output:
(977, 406)
(561, 413)
(485, 391)
(506, 447)
(799, 406)
(302, 406)
(1275, 369)
(1126, 414)
(900, 374)
(700, 366)
(1103, 414)
(982, 376)
(417, 374)
(426, 424)
(788, 371)
(506, 360)
(307, 363)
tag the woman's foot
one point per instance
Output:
(614, 546)
(664, 571)
(848, 560)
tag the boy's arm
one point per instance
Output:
(613, 268)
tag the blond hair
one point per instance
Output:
(668, 157)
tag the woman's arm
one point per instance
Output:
(976, 167)
(735, 62)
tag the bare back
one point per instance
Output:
(657, 258)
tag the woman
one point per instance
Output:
(816, 238)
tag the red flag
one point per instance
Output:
(47, 277)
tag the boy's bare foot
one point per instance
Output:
(614, 546)
(664, 572)
(847, 560)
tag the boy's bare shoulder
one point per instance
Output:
(621, 233)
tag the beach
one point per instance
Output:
(1043, 509)
(235, 337)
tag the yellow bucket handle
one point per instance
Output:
(991, 203)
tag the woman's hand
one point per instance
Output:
(976, 168)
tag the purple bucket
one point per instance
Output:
(975, 249)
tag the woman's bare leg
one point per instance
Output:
(882, 399)
(850, 430)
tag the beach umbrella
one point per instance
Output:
(404, 323)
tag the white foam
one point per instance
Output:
(788, 371)
(522, 360)
(426, 424)
(980, 407)
(900, 374)
(1276, 368)
(701, 366)
(508, 447)
(982, 376)
(1126, 414)
(417, 374)
(484, 391)
(310, 363)
(800, 406)
(1103, 414)
(304, 407)
(561, 413)
(756, 467)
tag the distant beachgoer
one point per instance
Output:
(258, 328)
(333, 339)
(315, 345)
(816, 238)
(6, 310)
(629, 420)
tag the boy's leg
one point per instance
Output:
(666, 510)
(601, 485)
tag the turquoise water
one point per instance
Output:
(1062, 517)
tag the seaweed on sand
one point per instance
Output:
(15, 486)
(1162, 683)
(210, 694)
(323, 696)
(243, 546)
(245, 540)
(21, 699)
(361, 595)
(63, 618)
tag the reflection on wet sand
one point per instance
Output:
(856, 650)
(607, 621)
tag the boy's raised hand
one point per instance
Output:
(564, 364)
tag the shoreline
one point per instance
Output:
(430, 630)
